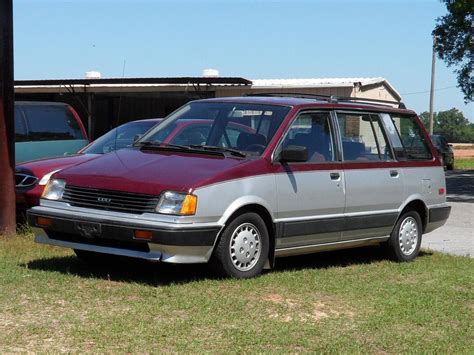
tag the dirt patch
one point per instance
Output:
(288, 309)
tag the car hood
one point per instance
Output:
(152, 171)
(41, 167)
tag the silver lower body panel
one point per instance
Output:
(308, 249)
(162, 253)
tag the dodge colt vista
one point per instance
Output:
(307, 174)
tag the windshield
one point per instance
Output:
(118, 138)
(247, 128)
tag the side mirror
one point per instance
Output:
(137, 137)
(293, 153)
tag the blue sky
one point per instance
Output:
(253, 39)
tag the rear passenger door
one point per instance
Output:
(310, 195)
(374, 181)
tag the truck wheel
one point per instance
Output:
(450, 166)
(242, 249)
(405, 239)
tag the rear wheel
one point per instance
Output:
(242, 249)
(405, 239)
(450, 166)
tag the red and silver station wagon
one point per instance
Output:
(265, 177)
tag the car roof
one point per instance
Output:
(296, 101)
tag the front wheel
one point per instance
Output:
(405, 239)
(243, 247)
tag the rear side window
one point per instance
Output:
(363, 137)
(51, 123)
(413, 140)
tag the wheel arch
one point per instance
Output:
(419, 206)
(267, 217)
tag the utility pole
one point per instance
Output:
(7, 125)
(433, 63)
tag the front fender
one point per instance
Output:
(242, 202)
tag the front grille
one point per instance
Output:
(103, 242)
(110, 200)
(24, 180)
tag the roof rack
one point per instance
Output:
(331, 98)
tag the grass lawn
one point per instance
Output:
(464, 163)
(351, 301)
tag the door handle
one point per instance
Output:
(335, 176)
(394, 173)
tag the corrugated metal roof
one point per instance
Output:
(319, 83)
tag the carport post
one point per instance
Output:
(7, 125)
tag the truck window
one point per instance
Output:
(51, 123)
(21, 134)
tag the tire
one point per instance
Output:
(405, 239)
(242, 249)
(450, 166)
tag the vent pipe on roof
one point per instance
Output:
(210, 73)
(92, 74)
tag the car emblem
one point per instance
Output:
(104, 199)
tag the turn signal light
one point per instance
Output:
(143, 234)
(43, 222)
(189, 205)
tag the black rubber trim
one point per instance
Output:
(336, 224)
(329, 225)
(123, 231)
(438, 214)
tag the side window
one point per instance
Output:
(412, 138)
(313, 131)
(363, 137)
(51, 123)
(21, 134)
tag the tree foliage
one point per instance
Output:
(454, 43)
(452, 124)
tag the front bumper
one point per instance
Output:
(113, 233)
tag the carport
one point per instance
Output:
(106, 103)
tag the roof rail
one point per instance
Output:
(331, 98)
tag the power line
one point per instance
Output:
(424, 92)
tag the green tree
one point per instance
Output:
(452, 124)
(454, 43)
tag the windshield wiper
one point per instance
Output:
(219, 149)
(160, 144)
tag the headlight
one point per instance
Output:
(54, 189)
(44, 180)
(177, 203)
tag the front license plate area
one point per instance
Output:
(88, 229)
